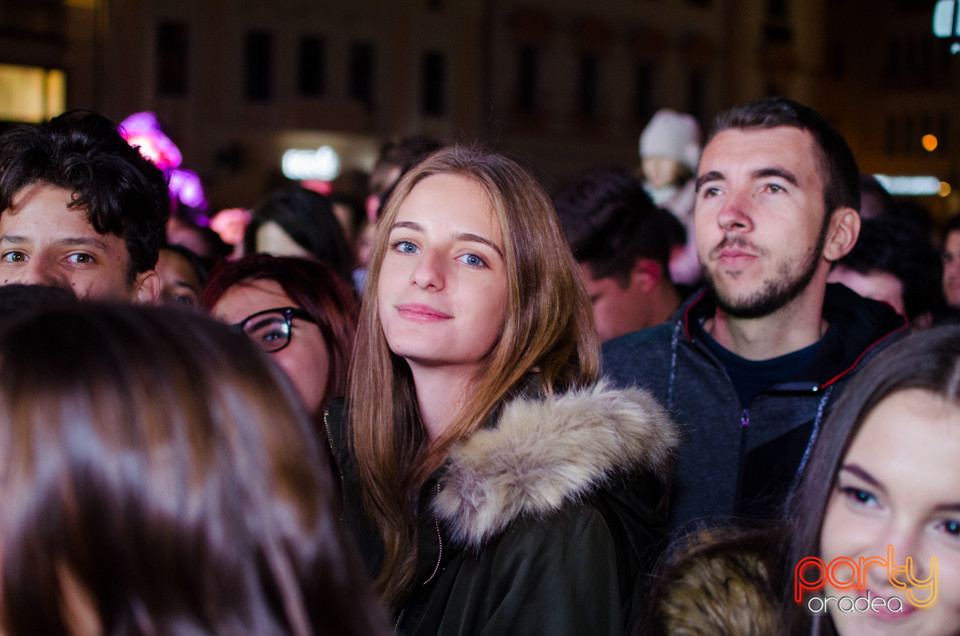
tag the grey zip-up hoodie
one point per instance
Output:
(741, 459)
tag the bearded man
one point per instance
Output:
(750, 364)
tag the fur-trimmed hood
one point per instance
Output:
(546, 452)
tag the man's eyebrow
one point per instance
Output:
(713, 175)
(786, 175)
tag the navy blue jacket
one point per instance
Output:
(741, 459)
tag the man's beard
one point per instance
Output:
(776, 293)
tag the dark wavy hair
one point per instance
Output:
(308, 218)
(927, 360)
(158, 475)
(610, 221)
(898, 248)
(838, 167)
(120, 191)
(313, 287)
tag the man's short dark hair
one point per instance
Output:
(838, 167)
(896, 247)
(610, 221)
(120, 191)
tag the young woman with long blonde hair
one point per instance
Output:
(491, 483)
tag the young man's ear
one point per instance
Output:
(146, 287)
(842, 233)
(646, 273)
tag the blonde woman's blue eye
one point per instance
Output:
(406, 247)
(472, 260)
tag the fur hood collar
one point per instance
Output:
(544, 453)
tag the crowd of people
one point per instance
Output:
(716, 395)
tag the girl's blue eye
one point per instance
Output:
(859, 496)
(951, 527)
(405, 247)
(472, 260)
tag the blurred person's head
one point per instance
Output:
(350, 214)
(317, 336)
(669, 148)
(19, 300)
(80, 208)
(397, 156)
(893, 262)
(299, 222)
(875, 201)
(622, 243)
(181, 275)
(951, 263)
(158, 475)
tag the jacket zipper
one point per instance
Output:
(436, 524)
(436, 568)
(333, 456)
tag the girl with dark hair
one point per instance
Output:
(492, 484)
(870, 543)
(295, 309)
(884, 483)
(158, 476)
(299, 222)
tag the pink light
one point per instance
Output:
(143, 130)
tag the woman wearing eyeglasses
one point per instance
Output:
(492, 485)
(297, 310)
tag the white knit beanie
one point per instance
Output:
(673, 135)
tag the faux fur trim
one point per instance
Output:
(544, 453)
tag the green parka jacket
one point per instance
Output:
(544, 522)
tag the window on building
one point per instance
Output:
(908, 142)
(893, 57)
(944, 133)
(433, 84)
(313, 65)
(697, 93)
(362, 66)
(890, 138)
(31, 93)
(529, 78)
(258, 57)
(643, 91)
(588, 97)
(838, 60)
(778, 8)
(910, 57)
(172, 58)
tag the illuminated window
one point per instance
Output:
(31, 93)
